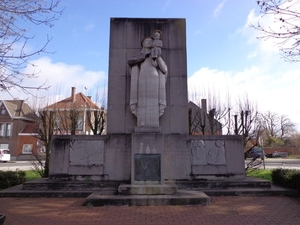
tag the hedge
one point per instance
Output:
(287, 177)
(11, 178)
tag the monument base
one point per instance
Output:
(147, 157)
(149, 189)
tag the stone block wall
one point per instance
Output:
(108, 157)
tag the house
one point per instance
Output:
(15, 115)
(201, 122)
(76, 115)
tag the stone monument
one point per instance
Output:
(147, 148)
(151, 106)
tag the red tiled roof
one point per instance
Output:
(30, 128)
(81, 101)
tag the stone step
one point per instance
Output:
(182, 197)
(248, 182)
(45, 184)
(149, 189)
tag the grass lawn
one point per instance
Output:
(263, 174)
(31, 175)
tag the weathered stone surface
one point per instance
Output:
(150, 189)
(217, 155)
(179, 159)
(125, 37)
(147, 149)
(147, 167)
(117, 163)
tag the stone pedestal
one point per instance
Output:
(147, 166)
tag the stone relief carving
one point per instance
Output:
(145, 148)
(198, 152)
(208, 153)
(148, 82)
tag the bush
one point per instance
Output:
(287, 178)
(11, 178)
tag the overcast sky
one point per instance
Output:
(222, 51)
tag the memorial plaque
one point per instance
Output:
(147, 167)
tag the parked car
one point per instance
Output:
(255, 152)
(269, 155)
(280, 154)
(4, 155)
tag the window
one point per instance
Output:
(2, 129)
(57, 123)
(4, 146)
(2, 109)
(8, 129)
(79, 124)
(27, 149)
(5, 129)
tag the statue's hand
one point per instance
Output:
(154, 63)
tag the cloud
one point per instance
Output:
(267, 44)
(219, 8)
(89, 27)
(198, 32)
(166, 5)
(270, 90)
(60, 77)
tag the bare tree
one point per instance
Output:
(285, 28)
(45, 127)
(96, 117)
(69, 119)
(287, 127)
(246, 122)
(276, 128)
(14, 56)
(210, 115)
(270, 123)
(96, 121)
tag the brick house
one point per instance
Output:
(74, 115)
(28, 143)
(15, 115)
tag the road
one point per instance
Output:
(274, 163)
(269, 163)
(16, 165)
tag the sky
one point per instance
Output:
(223, 53)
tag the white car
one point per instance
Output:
(4, 155)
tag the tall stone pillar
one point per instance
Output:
(126, 35)
(147, 95)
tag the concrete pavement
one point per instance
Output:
(240, 210)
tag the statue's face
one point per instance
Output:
(156, 35)
(147, 43)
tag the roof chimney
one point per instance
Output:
(73, 94)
